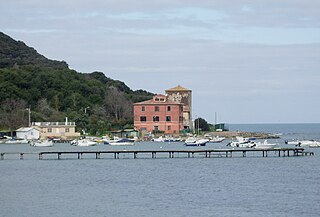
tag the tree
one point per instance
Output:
(202, 124)
(117, 105)
(13, 114)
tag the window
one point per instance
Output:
(155, 118)
(168, 118)
(169, 127)
(156, 108)
(67, 130)
(169, 108)
(143, 118)
(49, 130)
(143, 108)
(156, 128)
(143, 129)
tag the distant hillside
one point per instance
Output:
(97, 103)
(17, 53)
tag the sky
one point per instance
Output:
(247, 61)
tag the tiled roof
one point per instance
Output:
(178, 88)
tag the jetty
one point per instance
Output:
(134, 154)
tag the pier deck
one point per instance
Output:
(206, 153)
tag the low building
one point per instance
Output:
(159, 115)
(126, 133)
(63, 130)
(27, 133)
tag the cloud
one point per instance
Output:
(241, 57)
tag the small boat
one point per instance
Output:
(123, 142)
(83, 142)
(265, 145)
(160, 139)
(217, 139)
(192, 141)
(17, 141)
(42, 143)
(243, 142)
(293, 142)
(310, 143)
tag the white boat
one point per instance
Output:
(242, 142)
(42, 143)
(217, 139)
(17, 141)
(160, 139)
(310, 143)
(123, 142)
(265, 145)
(83, 142)
(293, 142)
(192, 141)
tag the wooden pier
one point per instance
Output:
(206, 153)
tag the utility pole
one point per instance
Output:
(29, 116)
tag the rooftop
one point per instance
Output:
(178, 88)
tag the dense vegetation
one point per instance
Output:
(53, 91)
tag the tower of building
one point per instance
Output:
(182, 95)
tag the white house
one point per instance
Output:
(27, 133)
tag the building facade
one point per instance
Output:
(56, 129)
(182, 95)
(27, 133)
(159, 115)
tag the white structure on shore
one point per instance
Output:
(28, 133)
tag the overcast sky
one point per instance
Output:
(249, 61)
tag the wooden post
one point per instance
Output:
(21, 156)
(244, 153)
(78, 155)
(59, 154)
(134, 155)
(97, 155)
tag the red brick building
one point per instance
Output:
(159, 114)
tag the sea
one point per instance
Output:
(176, 187)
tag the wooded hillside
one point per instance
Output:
(53, 91)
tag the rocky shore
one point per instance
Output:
(233, 134)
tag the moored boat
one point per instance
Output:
(310, 143)
(192, 141)
(42, 143)
(242, 142)
(83, 142)
(123, 142)
(265, 145)
(216, 139)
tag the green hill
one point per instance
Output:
(53, 91)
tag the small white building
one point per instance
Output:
(28, 133)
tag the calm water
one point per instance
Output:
(164, 187)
